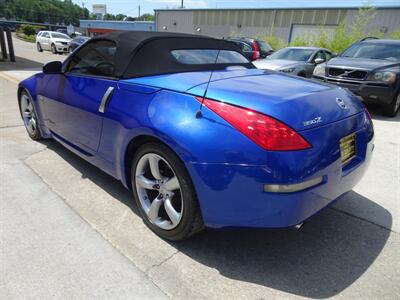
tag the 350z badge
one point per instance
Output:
(313, 121)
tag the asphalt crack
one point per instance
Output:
(162, 262)
(10, 126)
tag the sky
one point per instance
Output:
(130, 7)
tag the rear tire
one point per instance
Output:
(39, 47)
(390, 110)
(53, 49)
(184, 199)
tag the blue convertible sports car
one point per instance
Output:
(199, 135)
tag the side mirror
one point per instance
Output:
(318, 60)
(53, 67)
(334, 54)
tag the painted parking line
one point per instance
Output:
(9, 77)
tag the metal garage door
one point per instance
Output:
(311, 31)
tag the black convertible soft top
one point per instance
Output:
(145, 53)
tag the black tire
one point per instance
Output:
(391, 110)
(36, 134)
(53, 49)
(191, 221)
(39, 47)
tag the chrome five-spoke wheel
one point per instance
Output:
(29, 116)
(164, 192)
(159, 191)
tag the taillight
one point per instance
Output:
(256, 52)
(265, 131)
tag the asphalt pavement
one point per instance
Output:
(69, 230)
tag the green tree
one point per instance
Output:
(147, 17)
(120, 17)
(109, 17)
(43, 11)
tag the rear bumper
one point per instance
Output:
(369, 90)
(233, 195)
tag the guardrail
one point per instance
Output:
(3, 48)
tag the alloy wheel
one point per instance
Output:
(28, 115)
(159, 191)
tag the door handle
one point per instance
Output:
(106, 98)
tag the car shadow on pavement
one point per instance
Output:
(20, 64)
(327, 255)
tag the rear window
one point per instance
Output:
(208, 56)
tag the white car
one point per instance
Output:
(54, 41)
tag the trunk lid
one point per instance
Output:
(300, 103)
(181, 82)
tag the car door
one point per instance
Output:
(45, 41)
(86, 87)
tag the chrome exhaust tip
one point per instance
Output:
(298, 226)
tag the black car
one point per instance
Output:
(252, 48)
(76, 42)
(370, 69)
(63, 30)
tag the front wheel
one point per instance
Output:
(53, 49)
(29, 116)
(39, 47)
(391, 109)
(164, 193)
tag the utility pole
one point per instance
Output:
(181, 3)
(139, 13)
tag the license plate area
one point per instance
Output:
(348, 148)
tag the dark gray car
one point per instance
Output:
(370, 69)
(299, 61)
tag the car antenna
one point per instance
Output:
(198, 113)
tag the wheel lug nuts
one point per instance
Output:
(156, 186)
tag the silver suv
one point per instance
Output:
(56, 42)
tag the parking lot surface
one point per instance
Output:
(67, 227)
